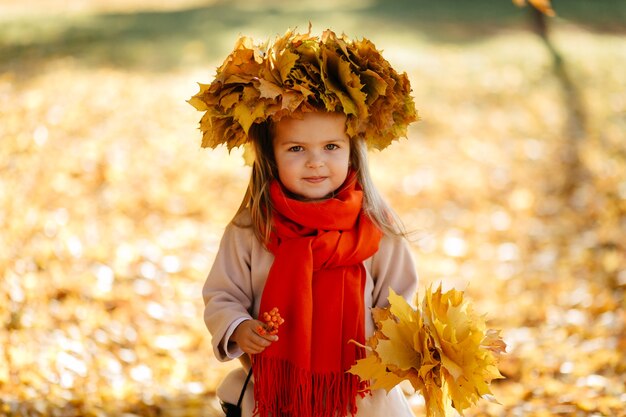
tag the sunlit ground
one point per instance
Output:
(110, 213)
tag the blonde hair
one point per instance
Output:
(257, 197)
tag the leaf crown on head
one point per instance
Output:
(301, 73)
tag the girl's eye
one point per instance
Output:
(331, 146)
(296, 148)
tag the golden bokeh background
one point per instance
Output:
(513, 183)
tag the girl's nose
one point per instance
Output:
(314, 161)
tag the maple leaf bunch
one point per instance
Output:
(302, 73)
(442, 348)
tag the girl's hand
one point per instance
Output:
(249, 340)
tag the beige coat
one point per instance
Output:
(232, 294)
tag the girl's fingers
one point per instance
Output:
(260, 341)
(254, 349)
(259, 329)
(266, 337)
(269, 337)
(257, 343)
(263, 339)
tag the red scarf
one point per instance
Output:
(317, 281)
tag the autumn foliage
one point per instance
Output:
(299, 73)
(443, 348)
(111, 215)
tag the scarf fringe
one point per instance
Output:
(284, 390)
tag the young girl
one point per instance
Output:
(312, 237)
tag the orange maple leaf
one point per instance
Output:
(543, 6)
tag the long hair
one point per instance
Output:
(257, 197)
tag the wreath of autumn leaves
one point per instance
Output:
(302, 73)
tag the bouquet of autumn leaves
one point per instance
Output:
(442, 348)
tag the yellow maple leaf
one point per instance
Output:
(291, 101)
(268, 89)
(284, 64)
(398, 348)
(246, 114)
(229, 100)
(400, 308)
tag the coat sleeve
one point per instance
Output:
(393, 266)
(227, 292)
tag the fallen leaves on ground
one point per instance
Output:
(111, 215)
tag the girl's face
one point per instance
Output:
(312, 153)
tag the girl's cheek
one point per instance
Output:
(297, 158)
(341, 157)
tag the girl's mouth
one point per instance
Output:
(314, 179)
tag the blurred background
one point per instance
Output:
(514, 184)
